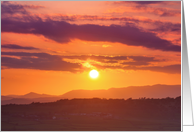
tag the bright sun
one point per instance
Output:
(94, 73)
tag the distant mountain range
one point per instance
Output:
(135, 92)
(31, 95)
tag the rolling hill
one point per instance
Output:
(135, 92)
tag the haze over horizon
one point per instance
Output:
(154, 91)
(50, 47)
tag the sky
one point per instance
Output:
(51, 46)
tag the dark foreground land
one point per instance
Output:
(94, 115)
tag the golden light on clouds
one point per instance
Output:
(87, 64)
(127, 43)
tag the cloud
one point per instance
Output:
(148, 2)
(91, 18)
(104, 59)
(140, 60)
(128, 60)
(10, 8)
(158, 11)
(172, 69)
(130, 63)
(44, 61)
(64, 32)
(158, 26)
(7, 8)
(14, 46)
(167, 27)
(39, 61)
(152, 7)
(139, 2)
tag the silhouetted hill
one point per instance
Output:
(16, 101)
(90, 114)
(35, 95)
(6, 98)
(29, 100)
(13, 96)
(135, 92)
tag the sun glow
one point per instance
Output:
(94, 73)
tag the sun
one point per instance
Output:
(94, 73)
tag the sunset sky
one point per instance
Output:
(51, 46)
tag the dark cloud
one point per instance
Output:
(147, 2)
(160, 26)
(94, 18)
(157, 26)
(14, 46)
(40, 61)
(9, 8)
(167, 27)
(64, 32)
(139, 2)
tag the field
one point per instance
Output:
(94, 115)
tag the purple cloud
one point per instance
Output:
(143, 2)
(148, 2)
(14, 46)
(40, 61)
(44, 61)
(139, 2)
(9, 8)
(167, 27)
(64, 32)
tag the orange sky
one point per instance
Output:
(50, 47)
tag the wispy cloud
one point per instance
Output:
(39, 61)
(151, 7)
(14, 46)
(10, 8)
(172, 69)
(128, 60)
(167, 28)
(139, 2)
(45, 61)
(158, 11)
